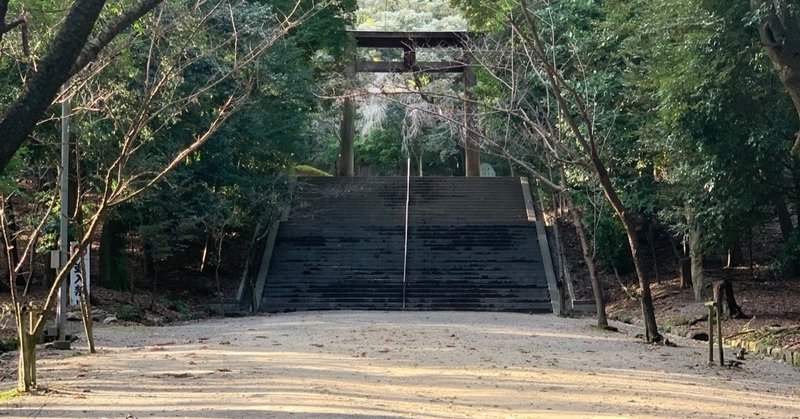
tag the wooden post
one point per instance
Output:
(472, 154)
(719, 335)
(86, 310)
(33, 316)
(711, 311)
(26, 376)
(717, 293)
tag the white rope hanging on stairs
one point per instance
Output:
(405, 240)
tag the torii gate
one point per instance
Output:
(409, 42)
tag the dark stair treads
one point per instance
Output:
(470, 247)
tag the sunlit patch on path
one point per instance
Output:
(436, 364)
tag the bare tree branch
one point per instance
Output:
(43, 86)
(110, 31)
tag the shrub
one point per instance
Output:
(611, 244)
(129, 313)
(788, 261)
(178, 305)
(9, 345)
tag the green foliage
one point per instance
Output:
(681, 93)
(129, 313)
(381, 149)
(404, 15)
(240, 176)
(9, 345)
(705, 104)
(8, 183)
(611, 244)
(178, 305)
(486, 16)
(114, 272)
(788, 261)
(323, 36)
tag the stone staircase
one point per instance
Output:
(470, 247)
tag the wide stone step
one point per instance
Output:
(470, 247)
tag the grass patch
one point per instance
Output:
(6, 395)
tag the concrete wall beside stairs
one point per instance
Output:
(471, 246)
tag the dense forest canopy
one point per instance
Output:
(409, 15)
(655, 116)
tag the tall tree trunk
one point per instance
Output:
(26, 376)
(589, 145)
(648, 310)
(780, 36)
(597, 288)
(53, 71)
(682, 263)
(113, 262)
(733, 308)
(685, 269)
(784, 219)
(734, 253)
(696, 266)
(69, 52)
(12, 226)
(696, 255)
(559, 260)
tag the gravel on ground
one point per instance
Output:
(399, 364)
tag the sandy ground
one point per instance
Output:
(377, 364)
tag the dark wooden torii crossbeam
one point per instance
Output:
(409, 42)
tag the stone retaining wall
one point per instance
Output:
(789, 356)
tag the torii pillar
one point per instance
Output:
(347, 131)
(347, 134)
(472, 154)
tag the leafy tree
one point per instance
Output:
(779, 31)
(72, 49)
(409, 15)
(183, 75)
(697, 99)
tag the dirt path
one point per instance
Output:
(374, 364)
